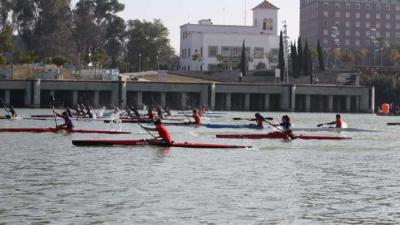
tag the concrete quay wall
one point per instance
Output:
(217, 96)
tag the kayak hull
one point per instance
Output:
(232, 126)
(54, 130)
(151, 143)
(278, 135)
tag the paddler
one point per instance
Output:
(12, 113)
(159, 113)
(259, 120)
(286, 127)
(67, 121)
(163, 132)
(196, 117)
(150, 114)
(338, 122)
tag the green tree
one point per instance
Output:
(93, 22)
(149, 40)
(294, 59)
(307, 63)
(6, 44)
(348, 57)
(321, 61)
(243, 60)
(2, 59)
(115, 38)
(59, 61)
(6, 13)
(26, 58)
(300, 53)
(281, 64)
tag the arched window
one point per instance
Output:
(270, 24)
(265, 24)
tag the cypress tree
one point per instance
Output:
(300, 57)
(243, 60)
(281, 65)
(320, 57)
(305, 63)
(294, 57)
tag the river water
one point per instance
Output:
(45, 180)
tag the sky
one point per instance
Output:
(174, 13)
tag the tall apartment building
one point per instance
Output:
(350, 24)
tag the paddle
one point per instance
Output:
(146, 130)
(53, 102)
(252, 119)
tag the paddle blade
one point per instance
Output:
(320, 125)
(268, 118)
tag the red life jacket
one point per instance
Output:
(339, 123)
(197, 119)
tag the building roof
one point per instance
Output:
(265, 5)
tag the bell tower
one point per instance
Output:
(265, 18)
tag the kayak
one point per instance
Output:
(232, 126)
(393, 124)
(150, 142)
(332, 129)
(55, 130)
(141, 120)
(278, 135)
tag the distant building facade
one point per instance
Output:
(350, 24)
(207, 47)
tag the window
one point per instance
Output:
(367, 33)
(347, 42)
(347, 33)
(378, 7)
(358, 6)
(337, 6)
(337, 14)
(325, 23)
(357, 24)
(378, 25)
(367, 15)
(325, 5)
(326, 32)
(348, 6)
(378, 15)
(367, 7)
(397, 7)
(387, 7)
(387, 16)
(358, 15)
(388, 26)
(367, 25)
(347, 15)
(347, 24)
(212, 51)
(201, 51)
(388, 35)
(258, 53)
(326, 14)
(357, 42)
(357, 33)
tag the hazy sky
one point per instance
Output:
(175, 13)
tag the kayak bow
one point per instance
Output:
(55, 130)
(150, 142)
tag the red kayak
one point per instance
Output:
(55, 130)
(278, 135)
(150, 142)
(141, 120)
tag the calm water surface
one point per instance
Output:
(45, 180)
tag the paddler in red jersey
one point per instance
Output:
(67, 121)
(202, 110)
(259, 120)
(163, 132)
(338, 122)
(150, 114)
(196, 117)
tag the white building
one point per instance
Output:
(206, 47)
